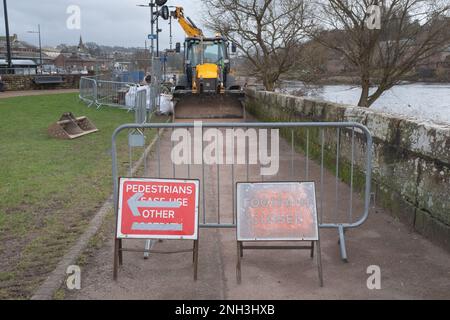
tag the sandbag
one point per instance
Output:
(166, 104)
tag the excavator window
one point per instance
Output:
(213, 53)
(195, 54)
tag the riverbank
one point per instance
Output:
(428, 102)
(356, 80)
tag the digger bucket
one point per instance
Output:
(208, 106)
(70, 127)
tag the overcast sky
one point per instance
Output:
(108, 22)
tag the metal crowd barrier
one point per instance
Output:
(141, 111)
(306, 150)
(88, 90)
(112, 93)
(100, 92)
(157, 80)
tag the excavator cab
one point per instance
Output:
(206, 65)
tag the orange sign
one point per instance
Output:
(158, 209)
(277, 211)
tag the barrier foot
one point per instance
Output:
(148, 246)
(342, 244)
(116, 259)
(195, 259)
(238, 265)
(120, 253)
(319, 262)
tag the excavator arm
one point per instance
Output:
(188, 26)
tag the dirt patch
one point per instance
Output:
(12, 94)
(206, 106)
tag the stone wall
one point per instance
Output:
(20, 82)
(411, 159)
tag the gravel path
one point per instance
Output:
(12, 94)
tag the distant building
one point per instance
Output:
(21, 67)
(438, 60)
(336, 63)
(435, 67)
(80, 60)
(22, 50)
(51, 52)
(81, 47)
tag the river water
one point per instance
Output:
(430, 102)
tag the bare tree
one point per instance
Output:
(310, 62)
(411, 31)
(266, 31)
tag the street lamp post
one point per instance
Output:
(170, 32)
(151, 5)
(157, 34)
(154, 19)
(8, 41)
(40, 45)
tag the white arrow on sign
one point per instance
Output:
(134, 204)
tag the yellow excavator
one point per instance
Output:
(206, 90)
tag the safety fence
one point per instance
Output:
(99, 91)
(157, 80)
(298, 152)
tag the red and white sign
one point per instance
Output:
(158, 209)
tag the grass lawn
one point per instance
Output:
(49, 188)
